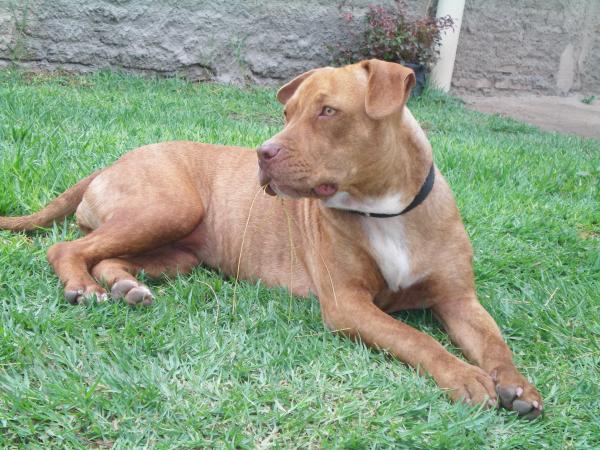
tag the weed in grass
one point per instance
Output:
(588, 99)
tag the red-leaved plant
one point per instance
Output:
(388, 34)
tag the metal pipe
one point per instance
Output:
(441, 74)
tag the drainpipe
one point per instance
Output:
(441, 74)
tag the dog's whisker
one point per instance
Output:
(239, 262)
(291, 242)
(316, 249)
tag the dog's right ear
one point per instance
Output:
(287, 90)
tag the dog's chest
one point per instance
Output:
(388, 245)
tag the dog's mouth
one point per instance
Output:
(275, 187)
(325, 190)
(265, 181)
(269, 190)
(321, 191)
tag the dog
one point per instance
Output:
(347, 204)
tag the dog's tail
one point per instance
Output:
(59, 208)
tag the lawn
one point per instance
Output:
(190, 371)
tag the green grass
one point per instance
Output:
(191, 372)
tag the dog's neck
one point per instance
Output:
(396, 176)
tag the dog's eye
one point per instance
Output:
(327, 111)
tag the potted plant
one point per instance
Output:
(388, 33)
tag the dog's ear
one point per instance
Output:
(287, 90)
(388, 87)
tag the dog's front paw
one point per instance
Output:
(516, 393)
(469, 384)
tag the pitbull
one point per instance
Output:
(357, 215)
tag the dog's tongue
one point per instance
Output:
(325, 190)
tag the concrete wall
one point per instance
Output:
(226, 40)
(506, 46)
(545, 46)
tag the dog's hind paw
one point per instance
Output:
(132, 292)
(82, 296)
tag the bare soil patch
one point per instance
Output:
(563, 114)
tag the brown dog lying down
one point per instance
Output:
(362, 219)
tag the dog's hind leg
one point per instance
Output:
(133, 231)
(120, 273)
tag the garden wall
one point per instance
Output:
(540, 46)
(227, 40)
(506, 46)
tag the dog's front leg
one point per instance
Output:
(353, 313)
(475, 332)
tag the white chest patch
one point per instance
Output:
(389, 249)
(387, 237)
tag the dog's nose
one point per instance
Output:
(268, 150)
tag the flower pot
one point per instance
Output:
(420, 74)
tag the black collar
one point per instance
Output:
(419, 198)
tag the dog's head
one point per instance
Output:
(339, 125)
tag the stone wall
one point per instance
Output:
(540, 46)
(506, 46)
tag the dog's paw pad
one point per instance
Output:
(73, 295)
(132, 292)
(507, 394)
(122, 287)
(526, 409)
(526, 404)
(140, 295)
